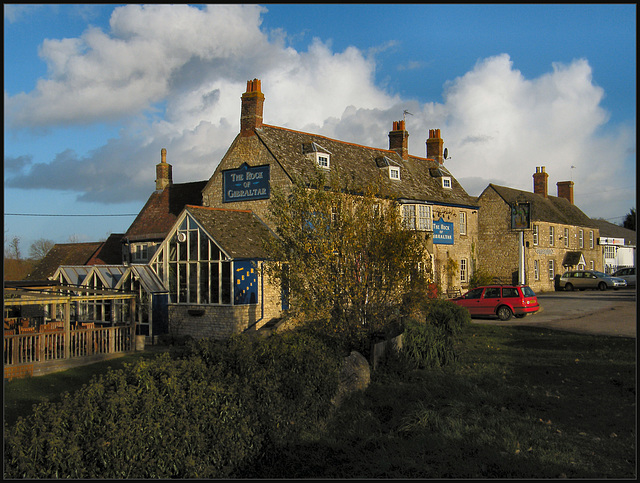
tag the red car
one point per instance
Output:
(501, 300)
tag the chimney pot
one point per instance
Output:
(540, 182)
(252, 108)
(399, 139)
(435, 146)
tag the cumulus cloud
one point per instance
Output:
(173, 76)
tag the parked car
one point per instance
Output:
(501, 300)
(583, 279)
(628, 274)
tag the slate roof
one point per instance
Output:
(63, 254)
(610, 230)
(361, 166)
(162, 210)
(552, 209)
(239, 233)
(109, 253)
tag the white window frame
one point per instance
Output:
(424, 218)
(581, 238)
(139, 252)
(394, 173)
(409, 216)
(536, 270)
(446, 182)
(535, 235)
(323, 160)
(551, 269)
(591, 265)
(552, 234)
(566, 237)
(463, 223)
(591, 239)
(463, 270)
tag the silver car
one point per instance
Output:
(628, 274)
(583, 279)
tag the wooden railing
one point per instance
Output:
(49, 345)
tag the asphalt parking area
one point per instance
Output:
(612, 313)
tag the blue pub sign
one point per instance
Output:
(246, 183)
(442, 232)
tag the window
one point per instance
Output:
(591, 240)
(566, 237)
(463, 223)
(609, 251)
(551, 270)
(139, 252)
(492, 293)
(417, 217)
(591, 265)
(446, 182)
(424, 217)
(463, 270)
(394, 172)
(581, 238)
(510, 292)
(323, 160)
(535, 234)
(536, 270)
(551, 235)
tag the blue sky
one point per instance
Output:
(94, 92)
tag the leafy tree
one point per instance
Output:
(630, 220)
(345, 257)
(39, 249)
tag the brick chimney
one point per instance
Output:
(399, 139)
(164, 176)
(252, 104)
(565, 190)
(540, 182)
(435, 145)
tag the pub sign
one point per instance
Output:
(520, 216)
(247, 183)
(442, 232)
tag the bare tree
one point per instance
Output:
(39, 249)
(12, 251)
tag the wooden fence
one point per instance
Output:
(49, 345)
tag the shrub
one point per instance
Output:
(207, 415)
(430, 343)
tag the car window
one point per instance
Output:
(474, 294)
(577, 274)
(528, 292)
(510, 292)
(492, 293)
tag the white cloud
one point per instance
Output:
(173, 76)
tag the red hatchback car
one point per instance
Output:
(501, 300)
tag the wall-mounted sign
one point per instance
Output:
(520, 216)
(442, 232)
(610, 241)
(245, 284)
(246, 183)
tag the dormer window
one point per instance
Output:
(446, 182)
(394, 172)
(323, 160)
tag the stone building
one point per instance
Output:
(555, 236)
(263, 156)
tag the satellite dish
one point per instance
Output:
(446, 153)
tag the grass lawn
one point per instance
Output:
(521, 402)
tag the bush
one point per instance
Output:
(209, 414)
(430, 343)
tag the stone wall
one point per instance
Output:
(498, 249)
(222, 321)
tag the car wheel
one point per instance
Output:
(504, 313)
(568, 287)
(602, 286)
